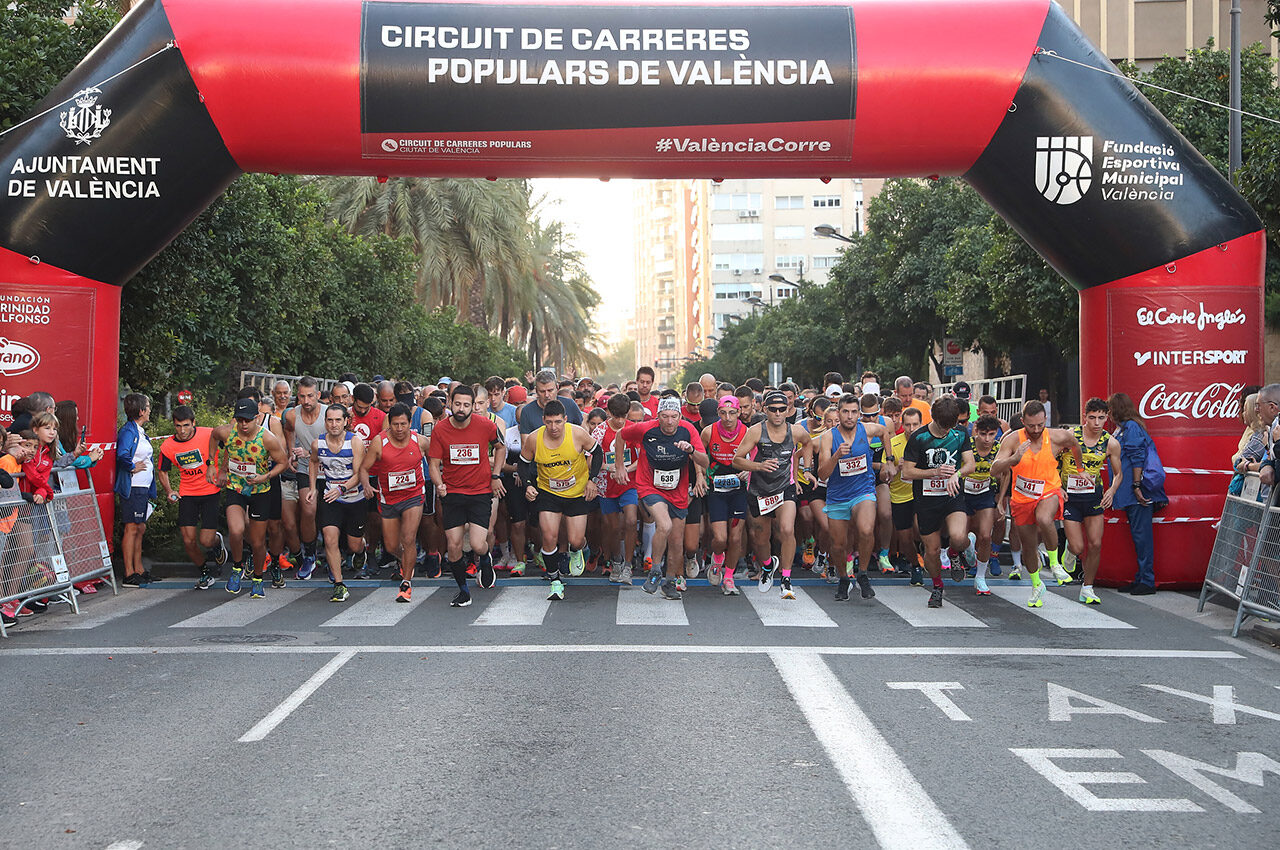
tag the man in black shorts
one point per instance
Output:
(197, 497)
(339, 454)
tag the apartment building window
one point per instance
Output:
(789, 261)
(826, 201)
(730, 262)
(788, 202)
(825, 261)
(737, 232)
(743, 201)
(789, 231)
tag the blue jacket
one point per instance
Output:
(126, 444)
(1134, 440)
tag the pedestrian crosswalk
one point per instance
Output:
(527, 606)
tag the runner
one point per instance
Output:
(397, 457)
(340, 393)
(251, 456)
(618, 500)
(904, 389)
(813, 492)
(197, 496)
(846, 459)
(903, 503)
(984, 499)
(726, 495)
(283, 532)
(936, 457)
(870, 412)
(1036, 495)
(1086, 500)
(339, 454)
(769, 452)
(662, 482)
(558, 476)
(303, 426)
(367, 422)
(467, 479)
(644, 387)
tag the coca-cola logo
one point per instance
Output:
(1218, 400)
(17, 358)
(1201, 319)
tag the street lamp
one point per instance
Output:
(831, 233)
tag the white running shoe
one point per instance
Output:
(1037, 596)
(980, 585)
(1061, 575)
(1069, 561)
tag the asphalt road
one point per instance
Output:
(167, 717)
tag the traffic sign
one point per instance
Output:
(952, 371)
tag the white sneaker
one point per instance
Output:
(1069, 561)
(1089, 598)
(1037, 596)
(980, 586)
(1061, 575)
(946, 559)
(691, 567)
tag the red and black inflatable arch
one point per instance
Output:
(1167, 256)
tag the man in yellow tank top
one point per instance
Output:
(559, 461)
(1086, 500)
(1036, 499)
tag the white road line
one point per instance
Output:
(773, 610)
(652, 648)
(277, 716)
(899, 811)
(131, 844)
(1062, 612)
(516, 606)
(912, 605)
(379, 608)
(99, 611)
(637, 608)
(240, 611)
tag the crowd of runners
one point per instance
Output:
(754, 483)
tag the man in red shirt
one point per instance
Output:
(368, 422)
(618, 498)
(397, 457)
(662, 481)
(467, 481)
(644, 386)
(197, 496)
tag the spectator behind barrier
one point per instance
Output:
(1253, 449)
(135, 484)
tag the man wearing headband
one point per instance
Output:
(667, 444)
(726, 494)
(769, 453)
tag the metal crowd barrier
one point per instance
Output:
(47, 549)
(1009, 391)
(1244, 565)
(265, 381)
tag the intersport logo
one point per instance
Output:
(1218, 400)
(1193, 357)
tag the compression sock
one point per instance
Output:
(646, 538)
(718, 559)
(1035, 578)
(459, 570)
(937, 581)
(1053, 559)
(1017, 559)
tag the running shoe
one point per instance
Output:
(614, 572)
(980, 586)
(1089, 598)
(715, 572)
(145, 579)
(842, 592)
(623, 573)
(307, 567)
(993, 567)
(1037, 596)
(340, 593)
(471, 569)
(1061, 575)
(517, 569)
(652, 581)
(577, 563)
(283, 562)
(787, 592)
(1069, 560)
(829, 575)
(433, 565)
(461, 600)
(556, 594)
(681, 584)
(9, 619)
(277, 576)
(1015, 573)
(765, 581)
(539, 560)
(727, 587)
(809, 555)
(957, 570)
(886, 567)
(256, 590)
(691, 568)
(971, 551)
(917, 576)
(207, 579)
(406, 592)
(945, 558)
(670, 591)
(365, 573)
(489, 576)
(233, 581)
(864, 585)
(221, 557)
(935, 598)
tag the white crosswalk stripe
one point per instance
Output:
(516, 606)
(637, 608)
(911, 604)
(239, 611)
(378, 608)
(1062, 612)
(802, 611)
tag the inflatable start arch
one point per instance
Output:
(186, 94)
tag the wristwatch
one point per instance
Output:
(494, 477)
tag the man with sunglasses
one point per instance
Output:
(769, 453)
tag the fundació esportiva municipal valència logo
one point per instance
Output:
(85, 121)
(1064, 167)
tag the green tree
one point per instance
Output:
(618, 364)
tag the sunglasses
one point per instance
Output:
(776, 409)
(868, 415)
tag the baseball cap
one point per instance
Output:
(246, 408)
(871, 387)
(730, 401)
(833, 391)
(961, 390)
(517, 395)
(446, 380)
(775, 397)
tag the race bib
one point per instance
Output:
(242, 468)
(427, 428)
(1033, 487)
(852, 465)
(1081, 482)
(934, 486)
(769, 503)
(725, 483)
(406, 480)
(977, 486)
(464, 455)
(666, 479)
(610, 458)
(559, 485)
